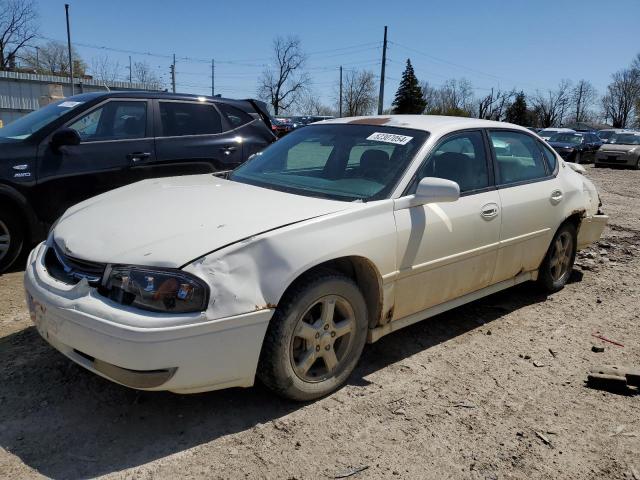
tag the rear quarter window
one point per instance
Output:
(234, 116)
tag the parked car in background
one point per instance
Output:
(623, 149)
(337, 234)
(606, 134)
(281, 126)
(88, 144)
(577, 147)
(547, 133)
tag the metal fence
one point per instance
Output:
(21, 93)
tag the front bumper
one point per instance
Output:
(566, 154)
(616, 158)
(182, 353)
(591, 229)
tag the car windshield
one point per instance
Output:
(606, 135)
(24, 127)
(337, 161)
(627, 139)
(547, 133)
(573, 138)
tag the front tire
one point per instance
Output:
(12, 238)
(558, 262)
(315, 337)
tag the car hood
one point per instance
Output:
(614, 147)
(563, 145)
(169, 222)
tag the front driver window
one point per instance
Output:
(113, 121)
(460, 158)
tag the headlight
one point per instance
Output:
(169, 291)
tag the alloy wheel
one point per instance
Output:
(5, 240)
(322, 338)
(561, 256)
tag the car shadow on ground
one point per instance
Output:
(66, 422)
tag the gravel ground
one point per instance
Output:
(494, 389)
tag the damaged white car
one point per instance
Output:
(336, 235)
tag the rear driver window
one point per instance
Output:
(179, 119)
(518, 157)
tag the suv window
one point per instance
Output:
(234, 116)
(460, 158)
(517, 156)
(113, 121)
(180, 119)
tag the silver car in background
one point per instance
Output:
(623, 149)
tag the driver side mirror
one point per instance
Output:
(431, 190)
(64, 137)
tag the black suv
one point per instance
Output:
(84, 145)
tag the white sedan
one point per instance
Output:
(340, 233)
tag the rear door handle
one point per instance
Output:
(228, 149)
(556, 196)
(489, 211)
(137, 156)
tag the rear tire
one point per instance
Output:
(315, 337)
(637, 165)
(557, 265)
(12, 238)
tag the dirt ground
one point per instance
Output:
(462, 395)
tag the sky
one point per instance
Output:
(527, 45)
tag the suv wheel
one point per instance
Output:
(11, 238)
(315, 338)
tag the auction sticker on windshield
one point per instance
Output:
(390, 138)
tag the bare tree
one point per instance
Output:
(494, 105)
(583, 96)
(453, 97)
(622, 96)
(282, 84)
(143, 73)
(552, 105)
(17, 28)
(359, 93)
(310, 104)
(429, 94)
(104, 69)
(53, 59)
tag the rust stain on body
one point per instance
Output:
(371, 121)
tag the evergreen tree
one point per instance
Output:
(517, 111)
(409, 98)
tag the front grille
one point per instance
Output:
(71, 270)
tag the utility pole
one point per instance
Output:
(213, 78)
(173, 74)
(384, 63)
(38, 59)
(130, 71)
(66, 9)
(340, 107)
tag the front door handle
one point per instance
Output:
(137, 156)
(489, 211)
(556, 196)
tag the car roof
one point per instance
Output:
(151, 95)
(435, 124)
